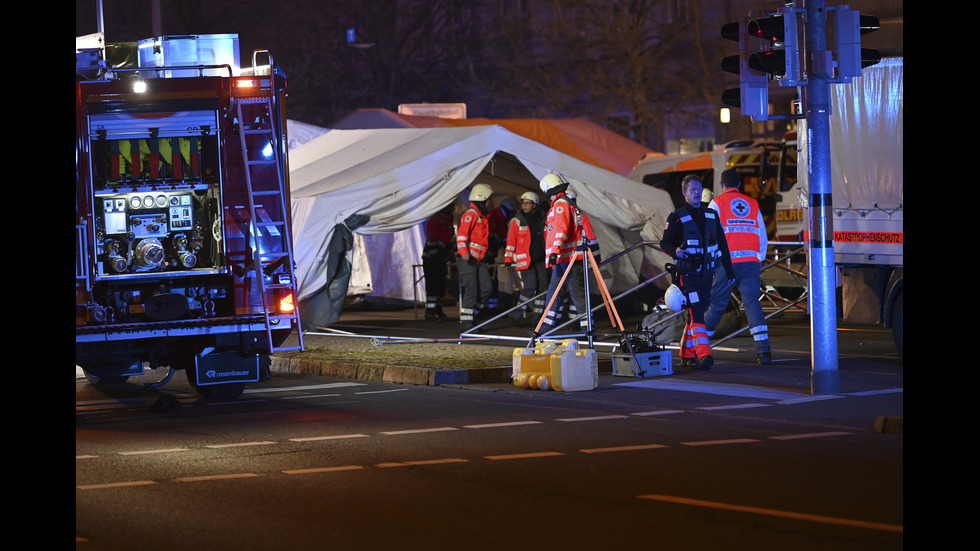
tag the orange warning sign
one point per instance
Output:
(890, 238)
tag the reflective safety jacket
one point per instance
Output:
(473, 234)
(564, 229)
(518, 250)
(745, 229)
(697, 230)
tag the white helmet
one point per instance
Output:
(480, 192)
(551, 180)
(530, 196)
(675, 298)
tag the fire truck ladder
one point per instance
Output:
(255, 119)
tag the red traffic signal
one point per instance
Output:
(780, 56)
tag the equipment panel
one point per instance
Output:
(152, 231)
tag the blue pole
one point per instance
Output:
(824, 376)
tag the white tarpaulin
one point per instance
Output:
(394, 179)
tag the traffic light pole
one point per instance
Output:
(824, 376)
(769, 50)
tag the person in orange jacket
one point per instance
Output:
(745, 232)
(524, 254)
(472, 242)
(565, 227)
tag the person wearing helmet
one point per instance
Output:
(524, 253)
(745, 233)
(694, 237)
(472, 241)
(564, 230)
(435, 258)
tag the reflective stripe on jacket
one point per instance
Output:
(563, 230)
(745, 229)
(704, 251)
(473, 234)
(518, 250)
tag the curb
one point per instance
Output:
(889, 425)
(396, 374)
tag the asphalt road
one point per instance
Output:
(741, 456)
(305, 462)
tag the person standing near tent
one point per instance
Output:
(745, 232)
(694, 237)
(472, 240)
(563, 234)
(435, 260)
(524, 253)
(593, 243)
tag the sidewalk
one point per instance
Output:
(400, 347)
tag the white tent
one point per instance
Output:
(382, 181)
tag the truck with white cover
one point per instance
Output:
(866, 141)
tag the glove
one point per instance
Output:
(552, 259)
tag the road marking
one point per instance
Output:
(658, 412)
(146, 452)
(302, 387)
(419, 431)
(215, 477)
(433, 461)
(876, 392)
(735, 406)
(497, 425)
(523, 455)
(810, 435)
(596, 418)
(719, 442)
(742, 391)
(423, 462)
(777, 513)
(806, 399)
(324, 469)
(382, 391)
(116, 485)
(331, 437)
(624, 448)
(240, 445)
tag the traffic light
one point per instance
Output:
(780, 55)
(849, 25)
(752, 94)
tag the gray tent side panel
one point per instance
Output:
(323, 308)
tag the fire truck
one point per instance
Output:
(183, 249)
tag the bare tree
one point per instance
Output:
(641, 61)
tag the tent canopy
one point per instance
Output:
(392, 179)
(578, 137)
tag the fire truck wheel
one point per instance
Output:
(215, 393)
